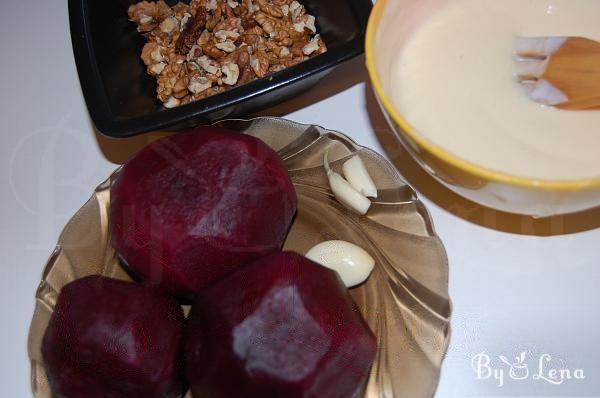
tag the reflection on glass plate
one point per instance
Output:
(405, 301)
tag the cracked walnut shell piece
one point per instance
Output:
(205, 47)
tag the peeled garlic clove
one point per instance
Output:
(357, 175)
(351, 262)
(344, 192)
(347, 195)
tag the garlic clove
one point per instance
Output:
(347, 195)
(343, 191)
(351, 262)
(357, 175)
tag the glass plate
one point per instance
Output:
(405, 301)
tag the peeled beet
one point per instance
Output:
(109, 338)
(193, 207)
(282, 327)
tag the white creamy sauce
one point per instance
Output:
(453, 82)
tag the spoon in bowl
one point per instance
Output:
(563, 72)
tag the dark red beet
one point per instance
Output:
(109, 338)
(282, 327)
(193, 207)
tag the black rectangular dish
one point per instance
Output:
(121, 97)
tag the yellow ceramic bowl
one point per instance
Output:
(391, 22)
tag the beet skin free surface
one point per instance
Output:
(282, 327)
(191, 208)
(113, 339)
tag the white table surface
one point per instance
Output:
(512, 291)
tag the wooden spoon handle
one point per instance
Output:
(575, 70)
(581, 104)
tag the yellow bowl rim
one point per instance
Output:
(439, 152)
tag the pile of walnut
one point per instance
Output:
(208, 46)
